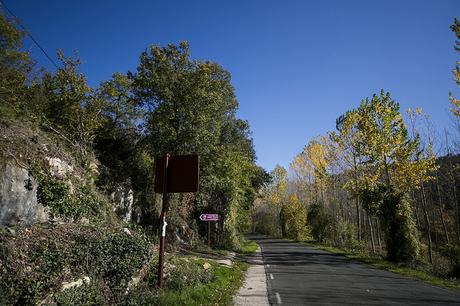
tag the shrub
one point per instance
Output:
(399, 227)
(35, 261)
(452, 252)
(58, 196)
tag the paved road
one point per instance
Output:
(300, 275)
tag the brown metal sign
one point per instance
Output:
(182, 176)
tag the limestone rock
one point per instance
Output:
(18, 197)
(76, 284)
(58, 167)
(122, 200)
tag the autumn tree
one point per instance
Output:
(455, 27)
(294, 219)
(348, 139)
(394, 167)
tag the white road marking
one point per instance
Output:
(278, 298)
(271, 276)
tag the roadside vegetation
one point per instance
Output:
(383, 186)
(420, 271)
(89, 154)
(248, 247)
(191, 281)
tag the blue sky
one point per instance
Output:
(296, 65)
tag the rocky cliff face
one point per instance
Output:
(21, 146)
(18, 197)
(122, 200)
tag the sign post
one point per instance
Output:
(209, 218)
(163, 223)
(176, 173)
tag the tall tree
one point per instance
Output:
(394, 167)
(190, 108)
(15, 64)
(455, 27)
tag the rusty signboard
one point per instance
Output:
(173, 173)
(182, 176)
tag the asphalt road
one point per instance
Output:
(301, 275)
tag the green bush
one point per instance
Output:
(400, 230)
(213, 286)
(35, 261)
(452, 252)
(85, 295)
(58, 196)
(321, 222)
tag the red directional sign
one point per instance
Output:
(209, 217)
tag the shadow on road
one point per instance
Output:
(302, 275)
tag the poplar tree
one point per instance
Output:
(393, 165)
(455, 27)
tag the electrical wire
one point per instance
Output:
(30, 35)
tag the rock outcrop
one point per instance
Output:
(18, 197)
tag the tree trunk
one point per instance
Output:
(358, 216)
(372, 233)
(379, 234)
(417, 217)
(441, 212)
(457, 219)
(358, 212)
(428, 227)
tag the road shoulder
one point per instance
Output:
(254, 288)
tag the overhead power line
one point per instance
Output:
(29, 34)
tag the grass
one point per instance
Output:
(248, 247)
(218, 292)
(383, 264)
(218, 289)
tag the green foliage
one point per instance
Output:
(452, 252)
(455, 27)
(247, 247)
(69, 105)
(218, 287)
(387, 165)
(85, 295)
(181, 272)
(294, 220)
(398, 224)
(266, 219)
(57, 194)
(321, 223)
(37, 260)
(15, 64)
(190, 100)
(191, 107)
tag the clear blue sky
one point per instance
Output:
(296, 65)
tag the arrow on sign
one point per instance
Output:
(209, 217)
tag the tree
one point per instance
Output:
(68, 107)
(455, 27)
(294, 220)
(15, 64)
(190, 108)
(348, 140)
(189, 101)
(393, 166)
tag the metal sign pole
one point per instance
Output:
(209, 233)
(163, 223)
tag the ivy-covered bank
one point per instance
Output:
(38, 262)
(75, 264)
